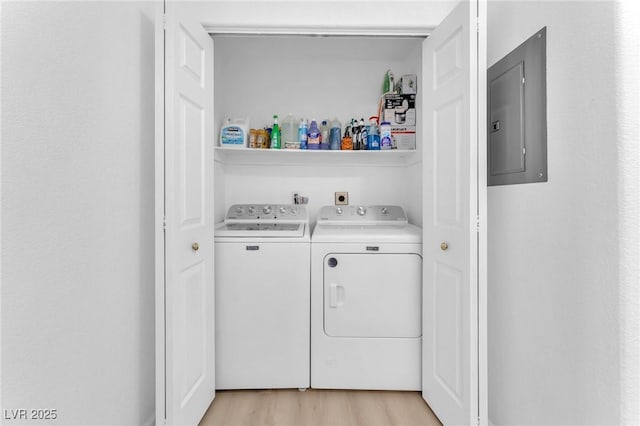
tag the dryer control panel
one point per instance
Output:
(364, 215)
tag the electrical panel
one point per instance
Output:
(517, 115)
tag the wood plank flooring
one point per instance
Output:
(316, 407)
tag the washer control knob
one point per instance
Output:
(239, 210)
(266, 209)
(384, 211)
(362, 210)
(282, 210)
(252, 210)
(294, 211)
(339, 210)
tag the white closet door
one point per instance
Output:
(189, 381)
(450, 296)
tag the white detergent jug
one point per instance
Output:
(235, 134)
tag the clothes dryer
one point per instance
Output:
(262, 267)
(366, 299)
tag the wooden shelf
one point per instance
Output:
(250, 156)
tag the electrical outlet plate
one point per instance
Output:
(341, 198)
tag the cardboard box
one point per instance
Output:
(408, 84)
(400, 110)
(403, 137)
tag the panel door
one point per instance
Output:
(187, 320)
(262, 315)
(450, 244)
(372, 295)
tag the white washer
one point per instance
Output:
(366, 299)
(262, 267)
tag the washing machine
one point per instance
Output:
(366, 299)
(262, 297)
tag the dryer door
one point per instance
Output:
(372, 295)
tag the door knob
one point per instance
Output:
(195, 246)
(444, 246)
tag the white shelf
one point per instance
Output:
(252, 156)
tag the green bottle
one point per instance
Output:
(276, 139)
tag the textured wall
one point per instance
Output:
(554, 286)
(77, 210)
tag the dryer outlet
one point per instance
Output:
(341, 198)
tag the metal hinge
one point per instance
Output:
(524, 151)
(164, 21)
(164, 223)
(477, 24)
(478, 421)
(522, 80)
(478, 223)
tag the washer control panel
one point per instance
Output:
(366, 215)
(267, 212)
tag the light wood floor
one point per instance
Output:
(314, 407)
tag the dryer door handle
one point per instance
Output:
(336, 295)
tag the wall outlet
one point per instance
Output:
(341, 198)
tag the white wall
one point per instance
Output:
(554, 248)
(367, 185)
(77, 210)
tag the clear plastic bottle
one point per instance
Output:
(313, 140)
(289, 132)
(303, 133)
(324, 135)
(334, 134)
(275, 134)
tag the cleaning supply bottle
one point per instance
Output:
(355, 134)
(363, 134)
(289, 133)
(334, 134)
(347, 140)
(275, 134)
(313, 141)
(324, 135)
(373, 138)
(303, 133)
(385, 135)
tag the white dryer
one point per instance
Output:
(366, 299)
(262, 267)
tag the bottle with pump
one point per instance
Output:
(324, 135)
(276, 138)
(313, 141)
(303, 133)
(373, 138)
